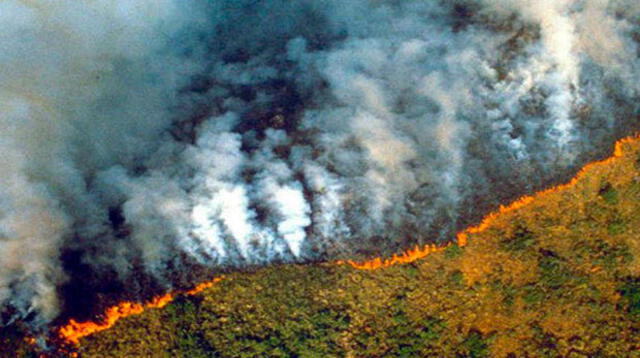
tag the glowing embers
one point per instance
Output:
(73, 331)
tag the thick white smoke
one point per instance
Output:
(150, 136)
(85, 86)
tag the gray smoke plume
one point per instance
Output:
(148, 136)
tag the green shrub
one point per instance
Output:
(630, 293)
(473, 346)
(456, 278)
(609, 194)
(616, 227)
(520, 240)
(532, 295)
(553, 270)
(452, 252)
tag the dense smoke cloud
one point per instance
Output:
(151, 136)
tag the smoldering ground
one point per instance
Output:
(145, 141)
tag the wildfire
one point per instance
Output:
(488, 220)
(462, 237)
(73, 331)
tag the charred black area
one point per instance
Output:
(282, 112)
(118, 222)
(462, 15)
(87, 292)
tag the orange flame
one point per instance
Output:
(73, 331)
(462, 237)
(406, 257)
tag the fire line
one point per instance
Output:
(73, 331)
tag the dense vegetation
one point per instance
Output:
(559, 276)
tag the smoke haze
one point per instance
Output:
(142, 138)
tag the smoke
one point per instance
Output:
(142, 138)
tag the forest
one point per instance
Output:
(557, 275)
